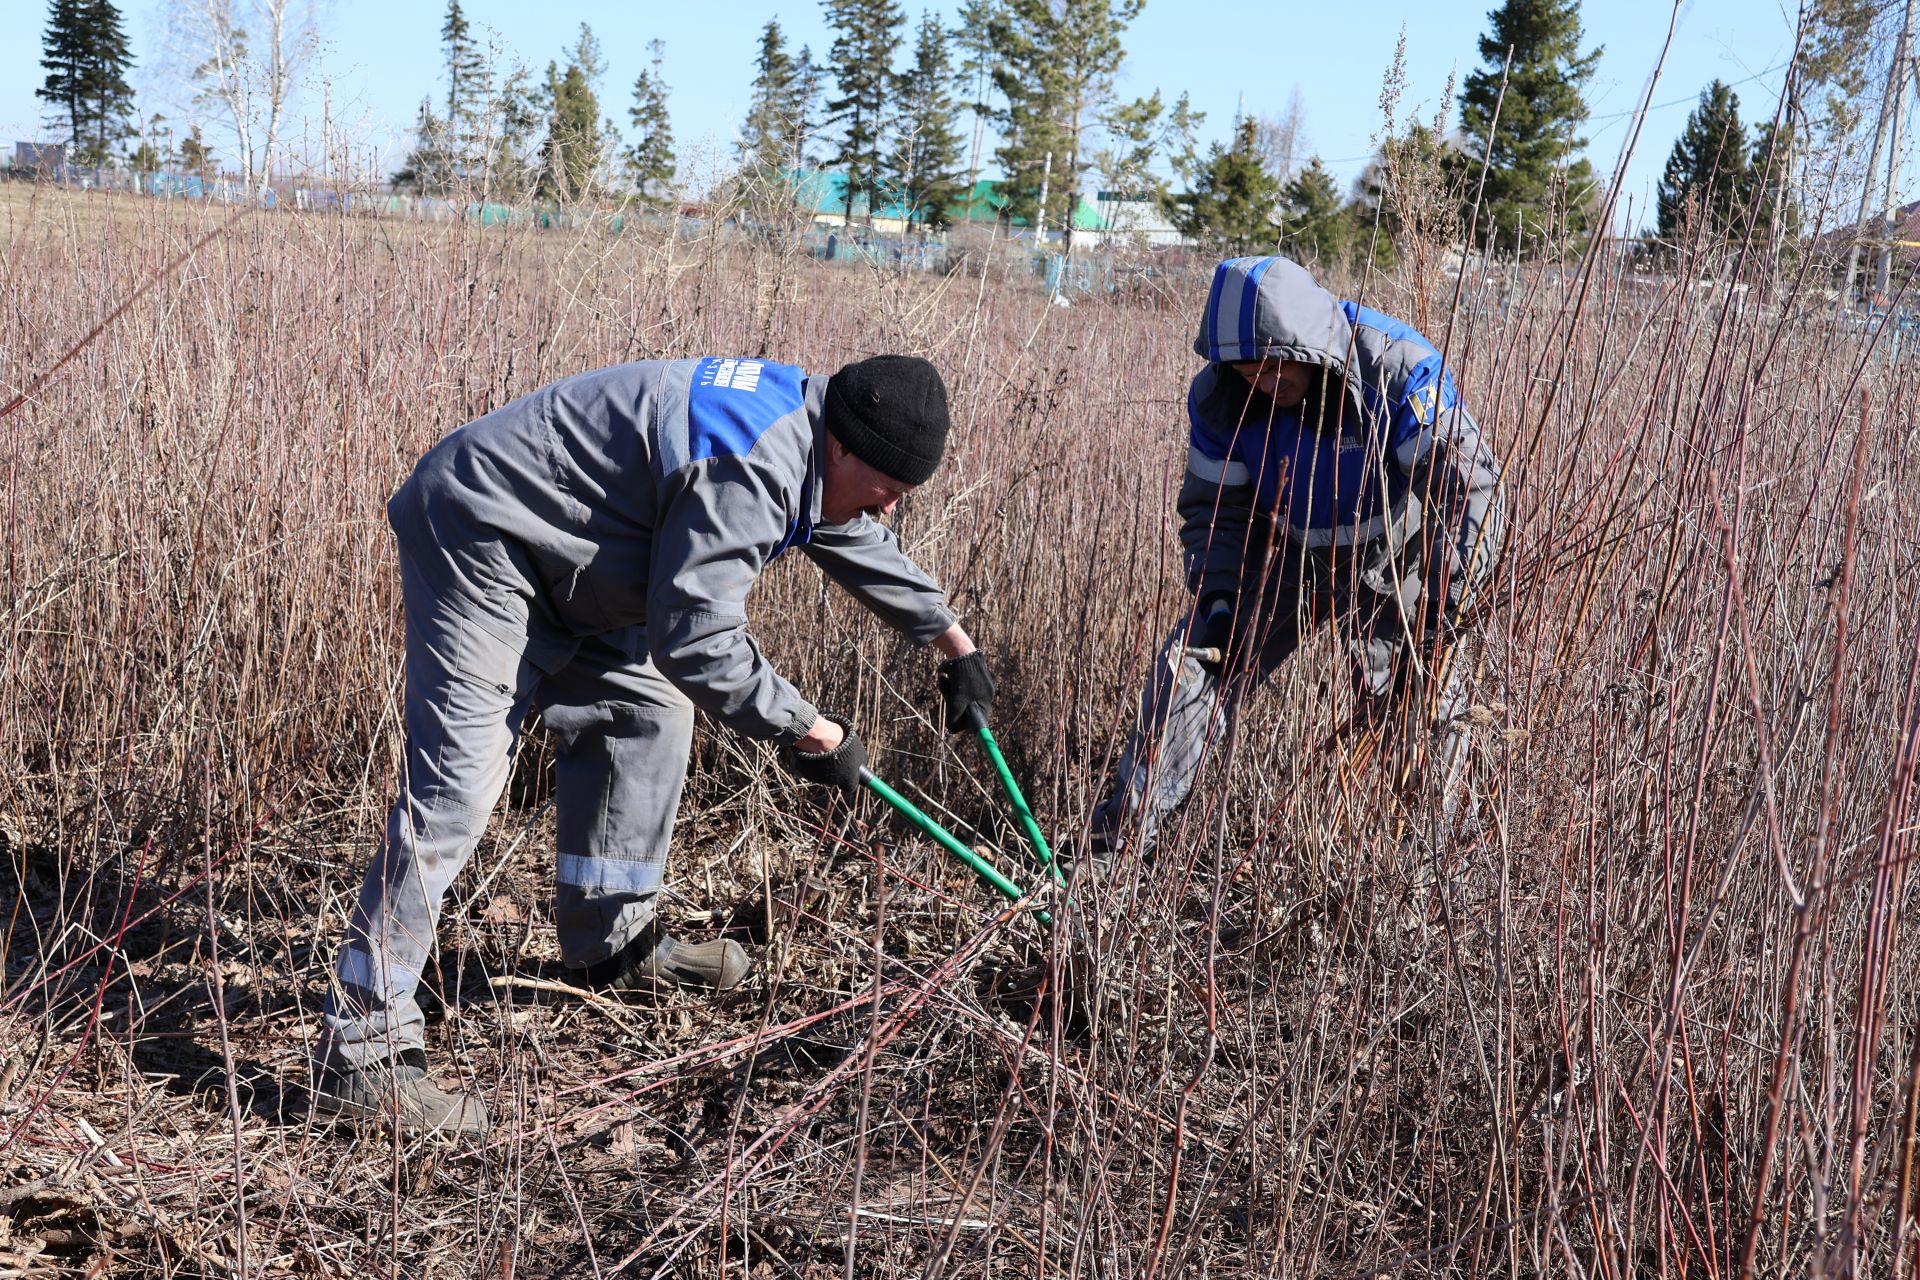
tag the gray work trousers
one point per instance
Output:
(621, 733)
(1403, 649)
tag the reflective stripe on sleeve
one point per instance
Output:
(1216, 470)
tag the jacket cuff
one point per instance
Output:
(930, 628)
(796, 728)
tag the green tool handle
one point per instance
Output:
(945, 839)
(1028, 823)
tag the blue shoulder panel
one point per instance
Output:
(731, 403)
(1395, 330)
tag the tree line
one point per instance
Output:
(902, 116)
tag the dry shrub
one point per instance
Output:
(1660, 980)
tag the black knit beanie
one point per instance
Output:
(891, 413)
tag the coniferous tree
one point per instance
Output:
(1143, 138)
(428, 169)
(1180, 140)
(64, 55)
(1316, 226)
(1704, 186)
(1534, 168)
(763, 135)
(155, 151)
(924, 170)
(973, 38)
(195, 155)
(1235, 202)
(650, 160)
(461, 146)
(577, 141)
(85, 53)
(1125, 166)
(1057, 60)
(779, 123)
(467, 88)
(867, 34)
(513, 119)
(804, 103)
(1404, 187)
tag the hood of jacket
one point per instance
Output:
(1261, 307)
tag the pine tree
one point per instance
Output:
(1180, 140)
(84, 51)
(576, 141)
(973, 38)
(155, 151)
(650, 160)
(467, 87)
(513, 119)
(1235, 201)
(1316, 227)
(773, 139)
(457, 149)
(428, 169)
(924, 169)
(1535, 168)
(195, 155)
(1704, 187)
(1126, 165)
(1143, 139)
(867, 34)
(1057, 63)
(63, 52)
(803, 109)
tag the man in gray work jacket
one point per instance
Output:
(588, 550)
(1331, 472)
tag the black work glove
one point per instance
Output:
(840, 767)
(967, 686)
(1213, 629)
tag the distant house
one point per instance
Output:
(987, 203)
(1135, 219)
(46, 159)
(824, 195)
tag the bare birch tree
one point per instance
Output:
(243, 58)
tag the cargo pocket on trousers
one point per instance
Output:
(484, 657)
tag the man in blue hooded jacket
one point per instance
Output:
(588, 549)
(1331, 471)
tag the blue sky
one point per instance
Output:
(381, 56)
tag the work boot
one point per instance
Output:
(657, 960)
(399, 1091)
(1104, 853)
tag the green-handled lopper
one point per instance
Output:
(946, 839)
(1029, 825)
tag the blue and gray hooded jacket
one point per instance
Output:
(1390, 439)
(644, 500)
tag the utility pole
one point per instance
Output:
(1897, 89)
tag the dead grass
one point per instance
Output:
(1658, 999)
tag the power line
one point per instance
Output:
(1675, 102)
